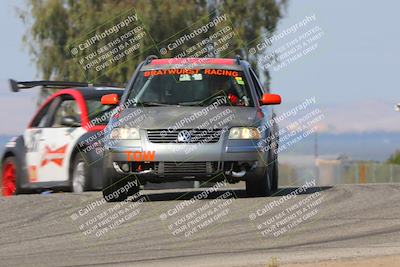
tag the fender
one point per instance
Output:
(16, 147)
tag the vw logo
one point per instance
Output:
(184, 136)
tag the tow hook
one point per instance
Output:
(238, 174)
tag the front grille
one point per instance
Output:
(197, 135)
(186, 168)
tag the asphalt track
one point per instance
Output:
(348, 221)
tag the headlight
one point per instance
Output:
(125, 133)
(244, 133)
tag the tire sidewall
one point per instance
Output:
(275, 176)
(18, 173)
(78, 158)
(259, 184)
(112, 182)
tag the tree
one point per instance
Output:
(56, 26)
(394, 158)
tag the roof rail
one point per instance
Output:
(238, 59)
(15, 86)
(149, 59)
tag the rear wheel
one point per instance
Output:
(80, 175)
(9, 177)
(259, 185)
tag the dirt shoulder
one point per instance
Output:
(383, 261)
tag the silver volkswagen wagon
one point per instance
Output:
(204, 119)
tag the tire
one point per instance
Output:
(80, 178)
(259, 185)
(275, 176)
(10, 182)
(113, 188)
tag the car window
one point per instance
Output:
(67, 107)
(256, 83)
(191, 87)
(40, 120)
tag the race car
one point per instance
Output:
(62, 147)
(202, 119)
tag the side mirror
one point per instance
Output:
(270, 99)
(70, 121)
(110, 99)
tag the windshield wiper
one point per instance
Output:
(149, 104)
(194, 103)
(200, 103)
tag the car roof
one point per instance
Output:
(173, 63)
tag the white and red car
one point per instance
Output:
(61, 149)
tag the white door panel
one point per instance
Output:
(50, 159)
(32, 140)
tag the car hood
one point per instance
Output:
(189, 117)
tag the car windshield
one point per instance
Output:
(191, 87)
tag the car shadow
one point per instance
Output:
(237, 193)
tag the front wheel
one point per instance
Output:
(275, 176)
(259, 185)
(117, 188)
(80, 175)
(9, 183)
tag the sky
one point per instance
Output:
(16, 109)
(358, 56)
(352, 72)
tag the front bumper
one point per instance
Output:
(194, 161)
(229, 150)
